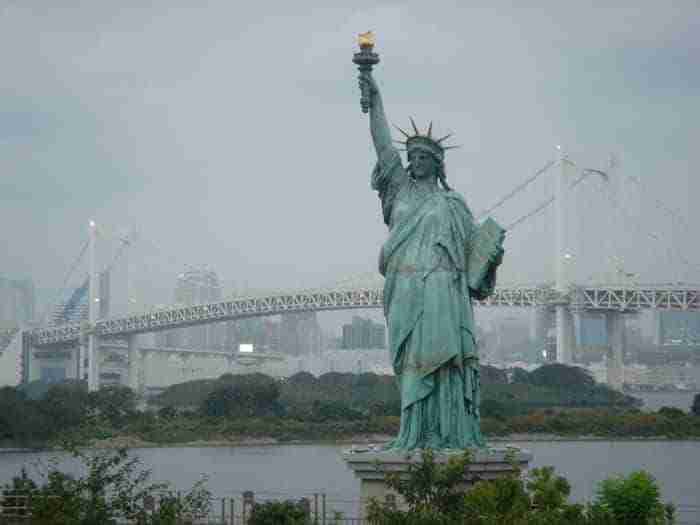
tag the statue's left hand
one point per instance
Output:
(365, 78)
(497, 257)
(369, 88)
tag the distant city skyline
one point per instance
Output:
(363, 333)
(17, 300)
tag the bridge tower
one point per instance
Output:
(562, 259)
(93, 298)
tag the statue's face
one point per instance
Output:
(423, 164)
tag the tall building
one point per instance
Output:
(679, 328)
(195, 286)
(17, 300)
(269, 336)
(300, 333)
(363, 333)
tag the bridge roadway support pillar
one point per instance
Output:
(93, 362)
(135, 364)
(615, 325)
(82, 356)
(25, 361)
(78, 354)
(658, 330)
(565, 335)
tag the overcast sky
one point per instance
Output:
(231, 135)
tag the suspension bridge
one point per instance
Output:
(614, 299)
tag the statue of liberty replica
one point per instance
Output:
(435, 261)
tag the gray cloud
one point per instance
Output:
(232, 135)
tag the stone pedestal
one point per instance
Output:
(370, 465)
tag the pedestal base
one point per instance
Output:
(370, 466)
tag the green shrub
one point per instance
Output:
(671, 412)
(242, 395)
(562, 376)
(494, 409)
(433, 496)
(167, 412)
(278, 513)
(333, 411)
(112, 489)
(633, 500)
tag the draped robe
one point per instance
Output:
(427, 305)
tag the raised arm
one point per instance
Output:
(388, 176)
(378, 125)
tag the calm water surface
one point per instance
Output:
(293, 471)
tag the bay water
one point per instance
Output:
(295, 471)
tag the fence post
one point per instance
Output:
(323, 508)
(316, 508)
(306, 505)
(149, 503)
(248, 502)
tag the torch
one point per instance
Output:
(365, 59)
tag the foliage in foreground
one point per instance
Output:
(112, 488)
(278, 513)
(432, 496)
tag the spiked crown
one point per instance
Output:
(424, 141)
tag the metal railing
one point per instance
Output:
(16, 509)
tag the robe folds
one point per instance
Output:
(427, 305)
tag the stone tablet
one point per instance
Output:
(487, 239)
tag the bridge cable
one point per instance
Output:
(672, 251)
(517, 189)
(610, 246)
(125, 243)
(108, 268)
(52, 305)
(142, 264)
(628, 219)
(675, 216)
(543, 205)
(669, 249)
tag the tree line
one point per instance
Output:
(555, 399)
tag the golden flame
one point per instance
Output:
(366, 39)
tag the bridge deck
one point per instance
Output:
(600, 298)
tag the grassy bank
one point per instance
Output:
(543, 424)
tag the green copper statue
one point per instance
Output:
(426, 261)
